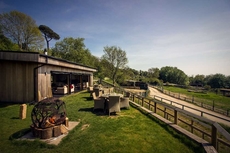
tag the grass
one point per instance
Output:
(208, 98)
(130, 131)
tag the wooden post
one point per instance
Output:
(69, 83)
(133, 98)
(175, 116)
(165, 112)
(191, 126)
(142, 101)
(149, 104)
(22, 113)
(213, 105)
(81, 82)
(155, 107)
(214, 137)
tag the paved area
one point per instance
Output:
(154, 91)
(54, 140)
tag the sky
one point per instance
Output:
(192, 35)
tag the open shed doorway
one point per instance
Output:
(59, 83)
(66, 83)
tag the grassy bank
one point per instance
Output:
(208, 98)
(130, 131)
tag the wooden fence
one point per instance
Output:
(216, 135)
(194, 101)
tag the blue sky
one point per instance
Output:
(192, 35)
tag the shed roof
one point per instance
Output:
(36, 57)
(224, 89)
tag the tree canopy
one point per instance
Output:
(21, 29)
(73, 49)
(115, 59)
(173, 75)
(7, 44)
(49, 34)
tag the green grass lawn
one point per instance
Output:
(219, 100)
(129, 131)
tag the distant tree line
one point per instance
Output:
(19, 31)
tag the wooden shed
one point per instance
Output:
(30, 76)
(225, 92)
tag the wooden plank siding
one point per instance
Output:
(16, 81)
(26, 76)
(19, 56)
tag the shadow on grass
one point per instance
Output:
(6, 104)
(98, 112)
(196, 147)
(88, 98)
(19, 134)
(86, 109)
(14, 118)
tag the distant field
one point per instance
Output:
(219, 100)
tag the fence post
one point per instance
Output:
(179, 96)
(142, 101)
(214, 137)
(165, 112)
(175, 116)
(213, 105)
(149, 104)
(191, 126)
(192, 99)
(133, 98)
(155, 107)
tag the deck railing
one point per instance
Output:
(198, 125)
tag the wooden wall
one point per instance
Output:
(19, 84)
(16, 81)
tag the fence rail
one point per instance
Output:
(216, 135)
(193, 100)
(184, 106)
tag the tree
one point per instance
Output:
(116, 58)
(153, 73)
(173, 75)
(73, 49)
(21, 29)
(49, 34)
(6, 44)
(198, 80)
(217, 81)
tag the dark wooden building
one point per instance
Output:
(30, 76)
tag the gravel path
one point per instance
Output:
(155, 92)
